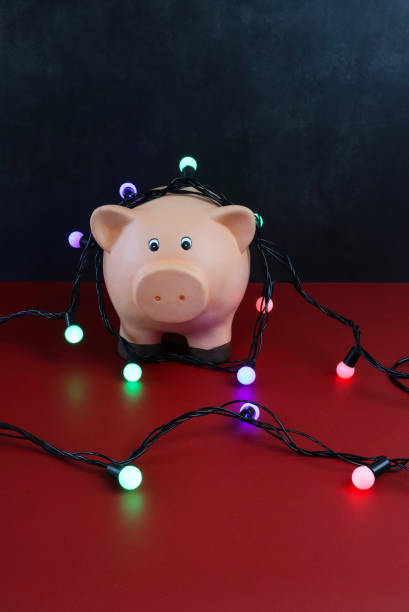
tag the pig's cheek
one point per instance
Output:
(228, 279)
(120, 277)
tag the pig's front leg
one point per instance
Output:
(140, 343)
(138, 335)
(212, 344)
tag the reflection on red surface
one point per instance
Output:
(75, 388)
(132, 390)
(359, 497)
(343, 382)
(131, 504)
(216, 492)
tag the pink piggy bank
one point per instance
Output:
(178, 264)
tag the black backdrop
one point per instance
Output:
(298, 109)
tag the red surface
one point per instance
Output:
(226, 518)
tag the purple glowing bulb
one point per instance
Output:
(246, 375)
(74, 239)
(127, 188)
(252, 409)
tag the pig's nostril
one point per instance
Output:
(181, 297)
(157, 298)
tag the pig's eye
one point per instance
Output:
(186, 243)
(153, 244)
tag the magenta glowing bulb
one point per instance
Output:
(127, 188)
(252, 409)
(363, 477)
(260, 304)
(74, 239)
(246, 375)
(345, 371)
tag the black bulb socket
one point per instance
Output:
(352, 357)
(70, 319)
(188, 172)
(248, 413)
(380, 466)
(113, 469)
(129, 193)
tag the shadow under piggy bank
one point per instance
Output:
(170, 344)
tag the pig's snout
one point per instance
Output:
(171, 293)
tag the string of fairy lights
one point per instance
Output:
(129, 476)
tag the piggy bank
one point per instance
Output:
(177, 265)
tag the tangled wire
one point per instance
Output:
(266, 251)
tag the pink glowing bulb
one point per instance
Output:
(345, 371)
(363, 477)
(74, 239)
(260, 304)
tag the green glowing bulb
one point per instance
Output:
(130, 477)
(132, 372)
(187, 161)
(259, 219)
(73, 334)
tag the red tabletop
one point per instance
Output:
(226, 518)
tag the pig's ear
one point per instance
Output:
(239, 220)
(107, 222)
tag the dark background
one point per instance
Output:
(298, 109)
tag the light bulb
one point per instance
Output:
(345, 371)
(127, 189)
(259, 220)
(363, 477)
(74, 239)
(130, 477)
(246, 375)
(346, 367)
(187, 161)
(132, 372)
(73, 334)
(250, 410)
(260, 304)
